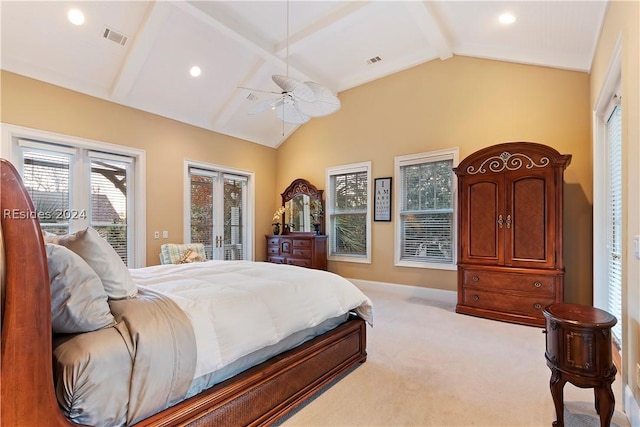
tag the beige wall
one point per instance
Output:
(167, 143)
(461, 102)
(623, 22)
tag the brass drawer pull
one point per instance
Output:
(476, 297)
(537, 284)
(537, 306)
(475, 278)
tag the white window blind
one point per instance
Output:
(348, 208)
(614, 214)
(108, 204)
(47, 177)
(426, 210)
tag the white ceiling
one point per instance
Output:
(243, 43)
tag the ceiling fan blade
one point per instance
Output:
(325, 103)
(297, 88)
(288, 113)
(264, 105)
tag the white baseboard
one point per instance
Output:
(631, 407)
(406, 290)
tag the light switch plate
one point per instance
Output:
(636, 246)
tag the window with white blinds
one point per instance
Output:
(348, 212)
(614, 217)
(425, 210)
(73, 188)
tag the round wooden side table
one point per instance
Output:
(578, 350)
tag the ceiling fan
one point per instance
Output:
(298, 101)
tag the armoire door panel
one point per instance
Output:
(528, 225)
(531, 240)
(484, 241)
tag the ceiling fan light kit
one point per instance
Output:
(298, 102)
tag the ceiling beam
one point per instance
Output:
(423, 14)
(155, 21)
(298, 40)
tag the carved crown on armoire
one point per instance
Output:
(510, 231)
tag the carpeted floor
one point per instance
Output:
(428, 366)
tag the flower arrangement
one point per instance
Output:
(277, 215)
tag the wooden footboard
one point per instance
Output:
(262, 394)
(259, 396)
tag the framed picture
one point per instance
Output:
(382, 204)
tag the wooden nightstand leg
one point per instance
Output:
(557, 392)
(605, 404)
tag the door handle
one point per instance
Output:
(508, 221)
(500, 221)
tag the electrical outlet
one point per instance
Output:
(156, 234)
(165, 234)
(636, 246)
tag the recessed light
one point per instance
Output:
(507, 18)
(76, 17)
(195, 71)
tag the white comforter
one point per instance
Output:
(237, 307)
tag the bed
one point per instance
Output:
(241, 392)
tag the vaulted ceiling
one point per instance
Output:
(139, 53)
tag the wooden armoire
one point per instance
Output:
(510, 207)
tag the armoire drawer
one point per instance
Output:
(527, 305)
(540, 285)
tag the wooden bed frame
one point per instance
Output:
(258, 396)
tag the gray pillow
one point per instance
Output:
(78, 300)
(104, 260)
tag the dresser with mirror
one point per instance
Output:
(302, 242)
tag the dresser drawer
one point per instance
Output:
(299, 262)
(506, 303)
(301, 253)
(301, 243)
(273, 250)
(538, 284)
(273, 241)
(277, 259)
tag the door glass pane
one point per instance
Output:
(614, 218)
(109, 203)
(202, 212)
(234, 195)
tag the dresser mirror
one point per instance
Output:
(303, 208)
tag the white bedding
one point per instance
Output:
(238, 307)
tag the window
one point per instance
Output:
(218, 212)
(425, 214)
(349, 212)
(74, 184)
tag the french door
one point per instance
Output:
(218, 213)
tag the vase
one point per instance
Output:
(276, 229)
(316, 228)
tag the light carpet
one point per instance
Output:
(428, 366)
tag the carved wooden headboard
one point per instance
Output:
(27, 375)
